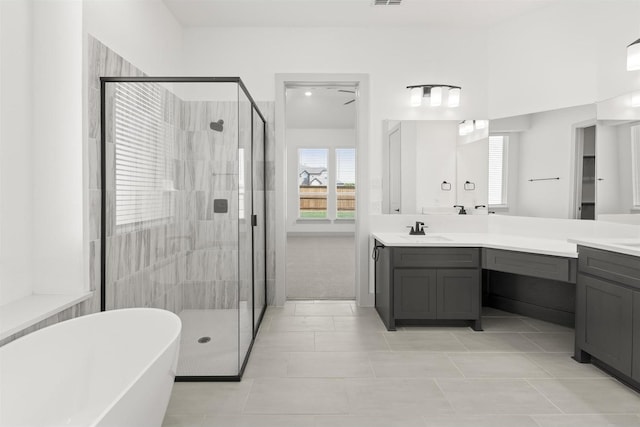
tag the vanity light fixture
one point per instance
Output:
(633, 56)
(435, 94)
(308, 93)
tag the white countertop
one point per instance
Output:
(544, 246)
(628, 246)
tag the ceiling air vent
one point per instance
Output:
(387, 2)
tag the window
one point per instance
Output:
(313, 180)
(498, 156)
(345, 183)
(326, 183)
(142, 169)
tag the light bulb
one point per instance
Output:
(633, 56)
(436, 96)
(454, 97)
(308, 93)
(416, 96)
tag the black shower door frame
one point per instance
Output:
(103, 203)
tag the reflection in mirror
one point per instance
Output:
(618, 160)
(543, 163)
(420, 158)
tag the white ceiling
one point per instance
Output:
(348, 13)
(324, 109)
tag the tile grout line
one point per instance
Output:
(544, 395)
(534, 343)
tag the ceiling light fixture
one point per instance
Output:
(434, 94)
(633, 56)
(308, 93)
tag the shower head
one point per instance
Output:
(217, 126)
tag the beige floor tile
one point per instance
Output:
(337, 309)
(506, 324)
(329, 365)
(392, 397)
(561, 365)
(481, 421)
(496, 342)
(263, 364)
(423, 341)
(495, 396)
(589, 396)
(183, 421)
(261, 420)
(552, 341)
(409, 364)
(600, 420)
(543, 326)
(208, 398)
(285, 341)
(297, 396)
(369, 421)
(301, 324)
(497, 365)
(350, 341)
(358, 324)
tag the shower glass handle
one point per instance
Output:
(254, 220)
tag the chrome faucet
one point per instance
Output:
(418, 230)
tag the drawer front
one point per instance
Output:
(614, 266)
(536, 265)
(437, 257)
(635, 369)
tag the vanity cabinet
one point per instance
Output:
(421, 285)
(608, 310)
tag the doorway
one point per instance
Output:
(321, 190)
(585, 167)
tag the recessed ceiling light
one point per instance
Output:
(308, 93)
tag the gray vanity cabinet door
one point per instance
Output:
(604, 321)
(414, 293)
(635, 369)
(458, 294)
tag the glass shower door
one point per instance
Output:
(259, 210)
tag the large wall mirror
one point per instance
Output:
(430, 166)
(579, 162)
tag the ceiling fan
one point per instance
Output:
(348, 91)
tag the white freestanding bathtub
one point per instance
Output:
(114, 368)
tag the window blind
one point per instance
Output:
(142, 170)
(497, 180)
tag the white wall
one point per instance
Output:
(16, 150)
(58, 148)
(546, 150)
(312, 138)
(143, 32)
(566, 54)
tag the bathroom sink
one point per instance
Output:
(427, 238)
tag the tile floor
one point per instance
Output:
(317, 364)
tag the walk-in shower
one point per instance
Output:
(183, 212)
